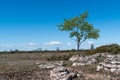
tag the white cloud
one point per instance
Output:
(18, 45)
(31, 44)
(53, 43)
(69, 44)
(90, 42)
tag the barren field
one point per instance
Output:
(24, 66)
(26, 61)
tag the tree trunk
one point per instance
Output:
(78, 45)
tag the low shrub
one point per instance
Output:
(111, 48)
(64, 57)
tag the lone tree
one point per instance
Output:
(79, 28)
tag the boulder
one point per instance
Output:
(59, 73)
(64, 73)
(86, 60)
(74, 58)
(111, 63)
(50, 65)
(75, 64)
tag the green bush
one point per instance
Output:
(111, 48)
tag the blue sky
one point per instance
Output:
(31, 24)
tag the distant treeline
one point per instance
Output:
(37, 51)
(111, 48)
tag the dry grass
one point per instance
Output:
(26, 61)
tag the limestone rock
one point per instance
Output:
(111, 63)
(50, 65)
(63, 73)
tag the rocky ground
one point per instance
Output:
(100, 66)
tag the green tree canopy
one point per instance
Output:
(79, 28)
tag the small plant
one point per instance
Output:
(100, 59)
(92, 47)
